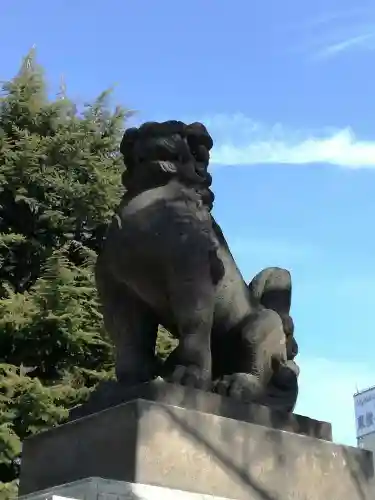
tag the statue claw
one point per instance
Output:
(243, 387)
(190, 376)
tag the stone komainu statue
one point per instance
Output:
(165, 261)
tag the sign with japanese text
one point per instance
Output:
(364, 407)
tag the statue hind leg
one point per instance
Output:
(272, 287)
(132, 327)
(259, 346)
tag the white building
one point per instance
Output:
(364, 407)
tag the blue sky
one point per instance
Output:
(286, 89)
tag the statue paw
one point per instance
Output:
(190, 376)
(243, 387)
(286, 375)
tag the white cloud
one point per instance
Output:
(241, 141)
(326, 393)
(338, 16)
(333, 33)
(359, 41)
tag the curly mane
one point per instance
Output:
(157, 152)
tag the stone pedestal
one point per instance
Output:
(153, 443)
(95, 488)
(110, 394)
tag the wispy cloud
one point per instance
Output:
(326, 393)
(340, 16)
(332, 33)
(354, 42)
(241, 141)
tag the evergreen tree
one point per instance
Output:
(59, 181)
(60, 173)
(60, 176)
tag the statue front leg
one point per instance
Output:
(191, 296)
(132, 328)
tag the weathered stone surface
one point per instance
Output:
(163, 445)
(96, 488)
(165, 261)
(113, 393)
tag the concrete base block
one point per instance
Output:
(157, 444)
(111, 393)
(95, 488)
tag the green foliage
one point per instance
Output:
(59, 182)
(8, 491)
(165, 343)
(59, 177)
(56, 324)
(26, 407)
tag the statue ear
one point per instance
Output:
(128, 140)
(198, 135)
(127, 149)
(272, 288)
